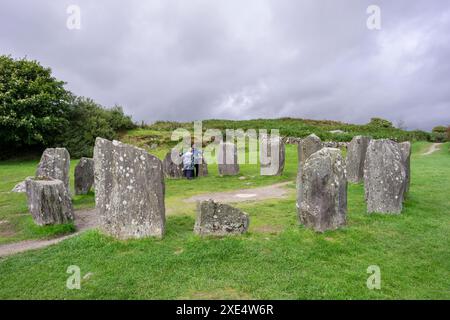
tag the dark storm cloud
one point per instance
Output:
(192, 59)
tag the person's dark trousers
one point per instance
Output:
(189, 174)
(197, 167)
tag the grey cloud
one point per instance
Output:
(198, 59)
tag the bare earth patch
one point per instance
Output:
(218, 294)
(84, 220)
(272, 229)
(276, 191)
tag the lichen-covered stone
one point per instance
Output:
(227, 159)
(129, 190)
(405, 148)
(356, 156)
(84, 175)
(272, 155)
(21, 187)
(49, 201)
(219, 219)
(306, 147)
(203, 168)
(55, 163)
(323, 192)
(384, 177)
(173, 165)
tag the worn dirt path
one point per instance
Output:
(84, 220)
(261, 193)
(87, 219)
(433, 148)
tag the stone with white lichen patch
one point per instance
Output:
(129, 190)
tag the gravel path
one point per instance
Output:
(84, 220)
(261, 193)
(433, 148)
(87, 219)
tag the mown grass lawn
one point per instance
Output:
(277, 259)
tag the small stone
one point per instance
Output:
(219, 219)
(48, 201)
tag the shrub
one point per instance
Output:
(89, 120)
(380, 123)
(33, 105)
(439, 134)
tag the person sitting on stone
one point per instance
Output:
(188, 164)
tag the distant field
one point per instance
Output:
(277, 259)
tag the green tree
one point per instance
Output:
(89, 120)
(380, 123)
(33, 104)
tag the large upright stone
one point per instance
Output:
(49, 201)
(173, 165)
(219, 219)
(306, 147)
(272, 155)
(384, 177)
(323, 192)
(84, 175)
(227, 159)
(203, 168)
(129, 190)
(405, 148)
(356, 156)
(55, 163)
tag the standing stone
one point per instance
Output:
(405, 148)
(356, 156)
(384, 177)
(49, 201)
(129, 190)
(84, 175)
(21, 187)
(227, 159)
(203, 168)
(323, 204)
(173, 169)
(219, 219)
(55, 163)
(306, 147)
(272, 155)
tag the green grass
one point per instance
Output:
(276, 259)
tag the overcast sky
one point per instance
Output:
(200, 59)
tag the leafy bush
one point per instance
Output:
(380, 123)
(89, 120)
(36, 111)
(33, 104)
(439, 134)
